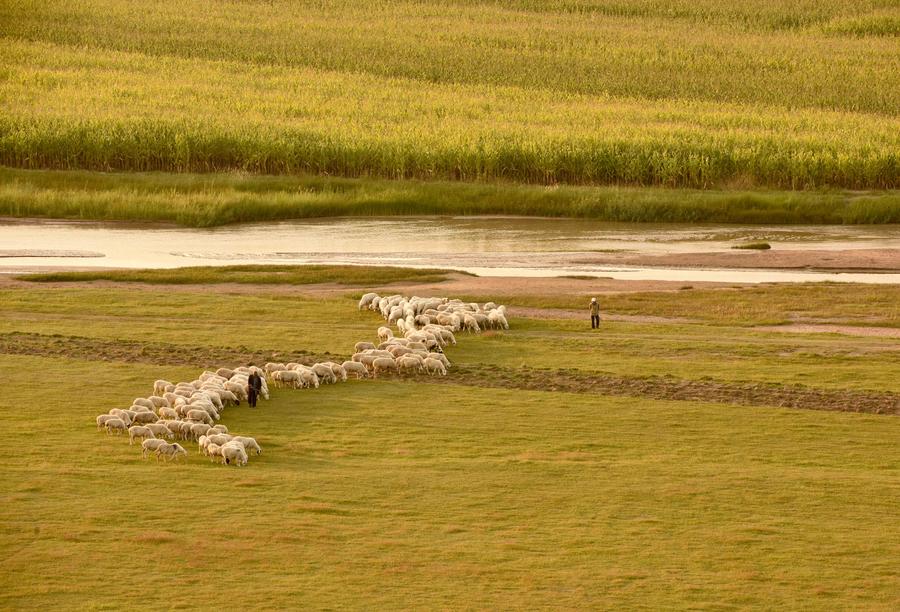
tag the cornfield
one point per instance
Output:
(680, 94)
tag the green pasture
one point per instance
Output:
(706, 348)
(395, 494)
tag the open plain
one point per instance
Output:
(670, 459)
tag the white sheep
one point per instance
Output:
(384, 333)
(102, 419)
(160, 430)
(434, 366)
(234, 454)
(115, 425)
(150, 445)
(383, 365)
(143, 418)
(249, 443)
(355, 367)
(167, 413)
(139, 431)
(361, 346)
(200, 416)
(170, 451)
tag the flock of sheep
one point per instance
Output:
(190, 410)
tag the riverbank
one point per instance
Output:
(209, 200)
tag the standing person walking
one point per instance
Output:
(595, 314)
(254, 386)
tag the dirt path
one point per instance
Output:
(478, 375)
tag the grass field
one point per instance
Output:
(453, 495)
(677, 94)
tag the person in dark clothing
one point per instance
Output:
(595, 314)
(254, 386)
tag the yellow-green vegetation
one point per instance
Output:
(413, 494)
(203, 200)
(251, 274)
(677, 93)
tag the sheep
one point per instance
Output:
(239, 391)
(229, 398)
(308, 379)
(200, 416)
(249, 443)
(220, 439)
(325, 373)
(138, 431)
(170, 451)
(219, 428)
(160, 430)
(440, 357)
(234, 454)
(224, 372)
(174, 427)
(145, 417)
(361, 346)
(356, 368)
(214, 452)
(121, 414)
(158, 401)
(409, 362)
(184, 429)
(139, 408)
(150, 445)
(434, 366)
(384, 333)
(199, 429)
(338, 370)
(159, 387)
(102, 419)
(383, 364)
(167, 413)
(287, 377)
(399, 351)
(115, 424)
(272, 366)
(366, 300)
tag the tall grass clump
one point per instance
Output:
(205, 200)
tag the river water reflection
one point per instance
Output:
(486, 246)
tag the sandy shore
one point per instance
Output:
(856, 260)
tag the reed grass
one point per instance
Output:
(203, 200)
(676, 94)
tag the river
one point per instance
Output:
(487, 246)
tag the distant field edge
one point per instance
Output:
(251, 274)
(206, 200)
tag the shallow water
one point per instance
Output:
(486, 246)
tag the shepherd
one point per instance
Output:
(254, 386)
(595, 314)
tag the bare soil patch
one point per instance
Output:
(160, 353)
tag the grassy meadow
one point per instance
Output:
(595, 92)
(449, 494)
